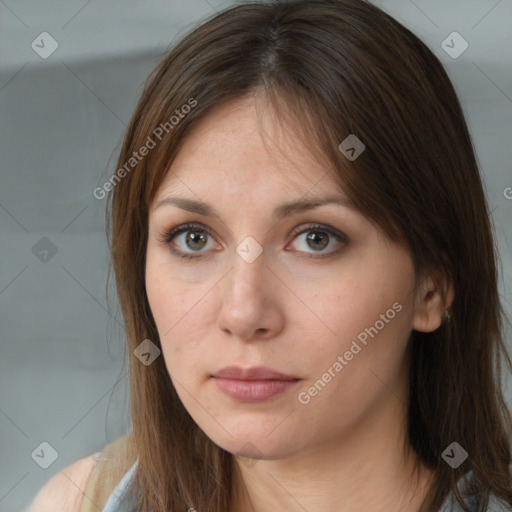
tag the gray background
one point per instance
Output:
(62, 121)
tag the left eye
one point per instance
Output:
(319, 237)
(196, 238)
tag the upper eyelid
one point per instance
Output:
(183, 228)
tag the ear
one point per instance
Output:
(435, 295)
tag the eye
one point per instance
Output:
(319, 237)
(197, 237)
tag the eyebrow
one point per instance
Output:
(281, 211)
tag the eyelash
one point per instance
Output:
(167, 237)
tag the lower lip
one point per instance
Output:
(253, 390)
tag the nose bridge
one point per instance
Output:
(245, 307)
(247, 276)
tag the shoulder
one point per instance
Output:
(65, 490)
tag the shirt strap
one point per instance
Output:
(112, 464)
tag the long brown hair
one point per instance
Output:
(330, 68)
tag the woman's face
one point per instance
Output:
(330, 307)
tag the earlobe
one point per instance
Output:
(433, 300)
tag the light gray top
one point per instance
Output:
(450, 504)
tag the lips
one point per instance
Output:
(253, 373)
(254, 384)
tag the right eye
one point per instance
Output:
(195, 239)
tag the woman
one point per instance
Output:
(307, 274)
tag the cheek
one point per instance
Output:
(348, 373)
(169, 300)
(364, 315)
(181, 314)
(168, 306)
(358, 301)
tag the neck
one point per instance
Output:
(368, 466)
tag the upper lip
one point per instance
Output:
(252, 373)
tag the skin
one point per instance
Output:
(344, 449)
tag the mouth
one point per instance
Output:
(254, 384)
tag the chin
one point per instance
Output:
(254, 442)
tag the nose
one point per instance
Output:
(250, 307)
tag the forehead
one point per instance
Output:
(241, 146)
